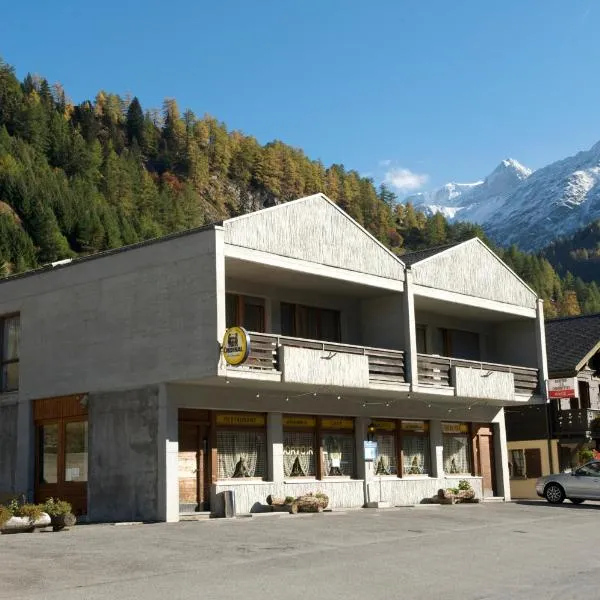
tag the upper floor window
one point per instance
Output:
(421, 331)
(461, 344)
(310, 323)
(10, 334)
(245, 311)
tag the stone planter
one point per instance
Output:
(43, 521)
(60, 522)
(18, 525)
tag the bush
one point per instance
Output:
(57, 507)
(289, 499)
(464, 485)
(5, 514)
(32, 511)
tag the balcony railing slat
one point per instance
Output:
(436, 370)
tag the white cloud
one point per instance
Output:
(405, 180)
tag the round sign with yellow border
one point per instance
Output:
(236, 345)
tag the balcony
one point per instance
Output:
(473, 379)
(314, 362)
(576, 422)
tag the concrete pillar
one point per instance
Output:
(275, 447)
(437, 448)
(410, 332)
(168, 458)
(501, 455)
(540, 338)
(364, 469)
(220, 291)
(24, 476)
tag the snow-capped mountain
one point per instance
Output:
(474, 201)
(516, 205)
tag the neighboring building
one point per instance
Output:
(117, 395)
(555, 438)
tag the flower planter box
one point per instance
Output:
(18, 525)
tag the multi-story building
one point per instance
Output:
(559, 436)
(119, 391)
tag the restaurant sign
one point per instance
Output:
(299, 421)
(240, 420)
(455, 428)
(384, 425)
(562, 388)
(416, 426)
(337, 423)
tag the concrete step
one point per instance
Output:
(493, 499)
(194, 516)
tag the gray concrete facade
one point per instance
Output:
(139, 331)
(124, 459)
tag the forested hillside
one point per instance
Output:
(78, 179)
(578, 254)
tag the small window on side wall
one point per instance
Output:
(10, 338)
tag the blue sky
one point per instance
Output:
(420, 91)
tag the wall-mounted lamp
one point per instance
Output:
(371, 432)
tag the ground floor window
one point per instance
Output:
(457, 452)
(299, 451)
(62, 455)
(525, 463)
(385, 435)
(338, 447)
(241, 445)
(415, 448)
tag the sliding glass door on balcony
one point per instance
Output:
(245, 311)
(310, 323)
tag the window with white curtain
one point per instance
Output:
(387, 459)
(456, 454)
(415, 454)
(241, 454)
(299, 454)
(10, 338)
(517, 464)
(338, 455)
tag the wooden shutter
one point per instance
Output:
(533, 463)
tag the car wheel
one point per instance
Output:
(576, 500)
(554, 493)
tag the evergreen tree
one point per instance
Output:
(135, 123)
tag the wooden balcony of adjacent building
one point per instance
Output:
(312, 362)
(475, 379)
(576, 422)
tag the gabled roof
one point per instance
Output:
(314, 229)
(571, 342)
(411, 258)
(470, 268)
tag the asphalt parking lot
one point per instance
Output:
(468, 552)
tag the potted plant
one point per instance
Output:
(61, 515)
(18, 518)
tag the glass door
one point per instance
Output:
(62, 461)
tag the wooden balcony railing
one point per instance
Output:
(385, 366)
(576, 421)
(437, 371)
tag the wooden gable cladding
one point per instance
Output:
(314, 229)
(472, 269)
(59, 407)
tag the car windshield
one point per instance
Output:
(591, 469)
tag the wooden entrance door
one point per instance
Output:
(61, 458)
(483, 446)
(194, 485)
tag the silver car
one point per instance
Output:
(582, 484)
